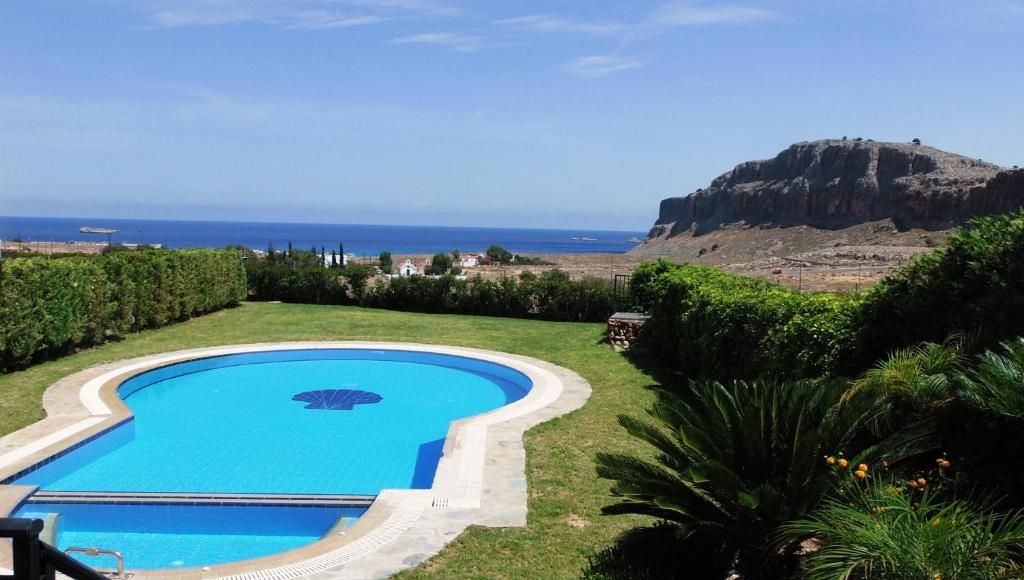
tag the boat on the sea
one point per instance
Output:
(92, 230)
(588, 239)
(635, 241)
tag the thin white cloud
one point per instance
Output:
(306, 14)
(706, 14)
(551, 23)
(593, 67)
(459, 42)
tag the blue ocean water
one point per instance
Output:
(177, 536)
(257, 423)
(358, 239)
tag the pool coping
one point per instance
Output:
(480, 479)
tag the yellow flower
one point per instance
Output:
(936, 521)
(830, 460)
(860, 474)
(944, 464)
(912, 484)
(922, 481)
(863, 467)
(843, 463)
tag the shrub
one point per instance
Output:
(975, 285)
(716, 324)
(545, 300)
(734, 463)
(886, 533)
(48, 306)
(316, 285)
(996, 385)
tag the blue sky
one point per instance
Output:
(557, 113)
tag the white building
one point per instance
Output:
(469, 261)
(342, 260)
(408, 269)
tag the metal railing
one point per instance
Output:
(93, 552)
(34, 559)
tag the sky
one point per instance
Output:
(526, 113)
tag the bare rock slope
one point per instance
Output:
(840, 183)
(831, 215)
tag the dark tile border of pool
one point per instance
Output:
(480, 479)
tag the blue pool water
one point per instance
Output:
(231, 424)
(177, 536)
(281, 422)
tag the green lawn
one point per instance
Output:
(565, 525)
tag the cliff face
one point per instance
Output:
(836, 184)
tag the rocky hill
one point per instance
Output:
(831, 215)
(840, 183)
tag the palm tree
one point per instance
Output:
(887, 533)
(734, 462)
(996, 385)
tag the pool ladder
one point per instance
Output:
(93, 552)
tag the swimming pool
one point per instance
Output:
(271, 423)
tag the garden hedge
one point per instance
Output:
(714, 324)
(711, 323)
(50, 305)
(565, 301)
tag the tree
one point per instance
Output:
(384, 262)
(356, 276)
(499, 254)
(334, 259)
(456, 256)
(439, 264)
(527, 276)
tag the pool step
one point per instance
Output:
(233, 499)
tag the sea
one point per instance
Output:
(357, 239)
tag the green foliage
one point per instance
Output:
(715, 324)
(48, 306)
(555, 275)
(883, 534)
(910, 382)
(545, 300)
(721, 325)
(306, 285)
(527, 276)
(974, 285)
(734, 463)
(385, 262)
(440, 264)
(498, 254)
(996, 384)
(114, 248)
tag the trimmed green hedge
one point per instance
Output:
(298, 285)
(712, 323)
(974, 285)
(540, 299)
(715, 324)
(48, 306)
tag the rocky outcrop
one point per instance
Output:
(839, 183)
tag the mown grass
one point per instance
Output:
(565, 497)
